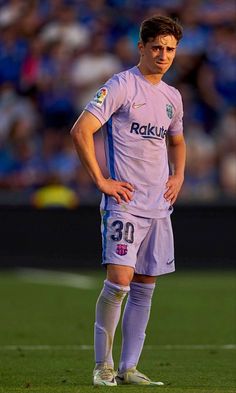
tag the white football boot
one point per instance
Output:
(133, 377)
(104, 375)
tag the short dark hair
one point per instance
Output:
(159, 25)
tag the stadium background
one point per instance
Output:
(53, 57)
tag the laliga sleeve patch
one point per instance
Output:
(100, 96)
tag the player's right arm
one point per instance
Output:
(82, 134)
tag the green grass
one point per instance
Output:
(192, 308)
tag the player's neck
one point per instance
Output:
(152, 78)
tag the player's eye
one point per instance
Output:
(156, 48)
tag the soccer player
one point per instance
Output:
(145, 150)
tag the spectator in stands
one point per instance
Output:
(216, 12)
(91, 69)
(66, 28)
(21, 165)
(14, 107)
(54, 195)
(201, 177)
(124, 52)
(217, 76)
(13, 50)
(56, 100)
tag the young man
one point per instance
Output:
(139, 112)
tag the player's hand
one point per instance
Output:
(120, 190)
(173, 186)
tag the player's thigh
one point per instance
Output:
(156, 254)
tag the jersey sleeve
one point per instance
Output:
(176, 125)
(108, 99)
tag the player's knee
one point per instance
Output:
(124, 282)
(119, 275)
(140, 278)
(120, 280)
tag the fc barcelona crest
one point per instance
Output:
(169, 111)
(121, 249)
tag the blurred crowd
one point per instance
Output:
(55, 54)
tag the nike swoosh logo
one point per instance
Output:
(136, 106)
(145, 379)
(170, 262)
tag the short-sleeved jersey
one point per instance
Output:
(136, 117)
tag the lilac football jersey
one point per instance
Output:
(136, 117)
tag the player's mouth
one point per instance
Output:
(161, 64)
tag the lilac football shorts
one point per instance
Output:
(146, 244)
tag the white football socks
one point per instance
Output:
(108, 309)
(134, 323)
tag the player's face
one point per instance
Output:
(157, 55)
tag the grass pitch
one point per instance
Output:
(46, 334)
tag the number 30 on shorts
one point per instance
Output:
(122, 230)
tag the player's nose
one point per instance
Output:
(163, 55)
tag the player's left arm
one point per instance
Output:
(177, 158)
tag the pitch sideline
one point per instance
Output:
(53, 277)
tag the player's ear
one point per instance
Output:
(140, 47)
